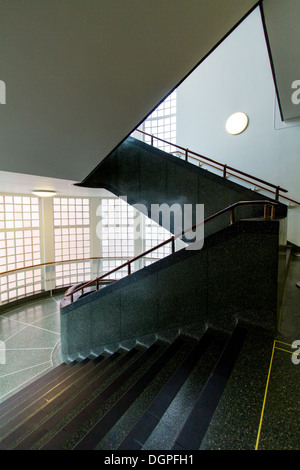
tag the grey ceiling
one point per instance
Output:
(80, 75)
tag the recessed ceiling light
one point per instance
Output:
(237, 123)
(43, 193)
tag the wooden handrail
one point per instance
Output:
(224, 167)
(76, 260)
(239, 177)
(231, 209)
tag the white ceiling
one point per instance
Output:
(18, 183)
(81, 75)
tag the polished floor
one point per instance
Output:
(29, 343)
(30, 346)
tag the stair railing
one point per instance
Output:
(226, 169)
(269, 214)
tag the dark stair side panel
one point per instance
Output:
(147, 175)
(197, 423)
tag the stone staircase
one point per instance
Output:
(127, 399)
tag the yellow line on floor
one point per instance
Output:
(265, 396)
(285, 350)
(283, 343)
(267, 385)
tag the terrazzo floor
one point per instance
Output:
(29, 343)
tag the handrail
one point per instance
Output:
(231, 209)
(224, 167)
(240, 177)
(75, 260)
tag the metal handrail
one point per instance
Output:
(224, 167)
(268, 215)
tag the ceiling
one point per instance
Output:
(81, 75)
(18, 183)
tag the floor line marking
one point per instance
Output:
(285, 350)
(27, 349)
(16, 332)
(277, 341)
(265, 397)
(23, 384)
(31, 324)
(28, 325)
(22, 370)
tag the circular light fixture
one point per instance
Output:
(237, 123)
(43, 193)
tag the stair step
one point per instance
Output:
(167, 429)
(124, 400)
(34, 393)
(74, 425)
(32, 404)
(91, 381)
(198, 421)
(100, 429)
(26, 419)
(29, 389)
(116, 434)
(148, 421)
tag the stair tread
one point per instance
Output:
(148, 421)
(92, 438)
(65, 433)
(23, 421)
(26, 391)
(196, 425)
(83, 409)
(109, 366)
(23, 408)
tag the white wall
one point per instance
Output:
(237, 77)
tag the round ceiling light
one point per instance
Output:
(237, 123)
(43, 193)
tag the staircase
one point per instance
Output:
(147, 175)
(127, 399)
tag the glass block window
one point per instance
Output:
(19, 232)
(117, 232)
(154, 235)
(67, 274)
(71, 212)
(108, 265)
(71, 243)
(18, 212)
(71, 240)
(162, 123)
(71, 228)
(20, 284)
